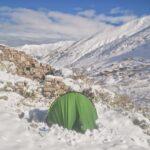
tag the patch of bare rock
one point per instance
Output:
(25, 64)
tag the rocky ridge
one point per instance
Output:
(25, 65)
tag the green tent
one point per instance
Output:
(73, 111)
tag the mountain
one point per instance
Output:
(118, 59)
(40, 51)
(80, 48)
(135, 46)
(122, 66)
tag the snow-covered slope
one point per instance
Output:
(123, 66)
(64, 53)
(81, 48)
(42, 50)
(136, 45)
(115, 131)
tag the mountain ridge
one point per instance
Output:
(74, 53)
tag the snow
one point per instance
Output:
(7, 77)
(72, 84)
(53, 77)
(79, 49)
(115, 128)
(115, 131)
(66, 72)
(44, 49)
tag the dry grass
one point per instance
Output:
(122, 101)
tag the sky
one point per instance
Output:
(45, 21)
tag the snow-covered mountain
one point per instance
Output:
(135, 46)
(100, 40)
(71, 52)
(118, 58)
(40, 51)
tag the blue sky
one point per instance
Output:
(38, 21)
(140, 7)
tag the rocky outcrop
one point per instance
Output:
(25, 64)
(54, 86)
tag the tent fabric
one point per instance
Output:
(73, 111)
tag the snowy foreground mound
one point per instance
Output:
(23, 127)
(115, 131)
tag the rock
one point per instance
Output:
(141, 123)
(4, 98)
(54, 86)
(89, 93)
(33, 125)
(2, 67)
(21, 115)
(25, 64)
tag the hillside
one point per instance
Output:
(118, 59)
(80, 48)
(26, 97)
(41, 51)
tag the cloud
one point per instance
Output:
(87, 13)
(36, 26)
(116, 20)
(118, 10)
(121, 16)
